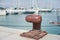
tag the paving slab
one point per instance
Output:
(3, 34)
(14, 34)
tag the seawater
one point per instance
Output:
(19, 22)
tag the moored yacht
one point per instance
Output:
(2, 12)
(45, 10)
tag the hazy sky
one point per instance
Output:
(29, 3)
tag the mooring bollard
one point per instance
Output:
(36, 20)
(36, 32)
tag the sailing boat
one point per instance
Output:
(32, 10)
(23, 10)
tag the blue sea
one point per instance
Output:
(19, 22)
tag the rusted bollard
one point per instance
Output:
(36, 20)
(36, 32)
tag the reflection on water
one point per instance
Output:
(18, 21)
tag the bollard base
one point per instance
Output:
(35, 34)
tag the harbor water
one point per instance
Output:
(18, 22)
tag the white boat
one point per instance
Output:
(2, 12)
(21, 11)
(45, 10)
(13, 11)
(30, 11)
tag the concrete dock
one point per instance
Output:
(14, 34)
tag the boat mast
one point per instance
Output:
(58, 17)
(35, 6)
(17, 3)
(36, 3)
